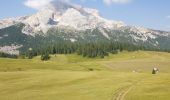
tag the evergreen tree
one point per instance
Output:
(30, 53)
(89, 49)
(45, 56)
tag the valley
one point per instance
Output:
(84, 50)
(124, 76)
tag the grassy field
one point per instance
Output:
(72, 77)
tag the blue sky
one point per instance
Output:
(147, 13)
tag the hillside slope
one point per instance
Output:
(61, 21)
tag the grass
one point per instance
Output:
(152, 88)
(69, 77)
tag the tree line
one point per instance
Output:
(85, 49)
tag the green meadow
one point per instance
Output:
(125, 76)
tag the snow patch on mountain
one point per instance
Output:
(61, 14)
(40, 21)
(6, 23)
(104, 33)
(13, 49)
(73, 40)
(143, 34)
(75, 19)
(11, 21)
(5, 35)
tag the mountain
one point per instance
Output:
(61, 21)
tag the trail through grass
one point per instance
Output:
(69, 77)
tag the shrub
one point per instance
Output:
(114, 52)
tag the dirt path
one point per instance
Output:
(123, 93)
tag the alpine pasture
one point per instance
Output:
(125, 76)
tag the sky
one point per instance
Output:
(153, 14)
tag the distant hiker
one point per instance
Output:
(155, 70)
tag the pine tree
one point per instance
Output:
(45, 56)
(30, 54)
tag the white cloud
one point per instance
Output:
(168, 17)
(87, 0)
(37, 4)
(109, 2)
